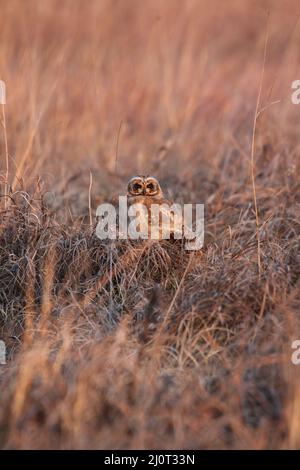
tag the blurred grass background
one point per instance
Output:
(183, 79)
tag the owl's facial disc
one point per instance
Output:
(136, 186)
(152, 187)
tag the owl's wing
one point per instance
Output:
(176, 222)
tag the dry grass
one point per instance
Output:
(93, 361)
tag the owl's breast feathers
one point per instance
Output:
(147, 201)
(155, 218)
(162, 218)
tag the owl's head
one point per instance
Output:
(144, 186)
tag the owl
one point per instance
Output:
(147, 191)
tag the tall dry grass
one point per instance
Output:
(142, 346)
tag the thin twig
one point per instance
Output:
(6, 155)
(90, 200)
(256, 115)
(117, 146)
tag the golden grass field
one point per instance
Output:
(175, 352)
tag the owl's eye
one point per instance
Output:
(137, 186)
(152, 188)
